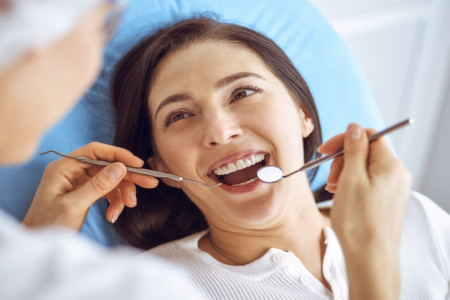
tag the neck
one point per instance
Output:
(300, 231)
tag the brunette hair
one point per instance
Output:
(164, 213)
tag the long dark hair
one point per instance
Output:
(165, 214)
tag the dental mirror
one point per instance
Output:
(269, 174)
(272, 174)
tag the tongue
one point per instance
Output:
(241, 175)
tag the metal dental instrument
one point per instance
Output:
(272, 174)
(266, 174)
(133, 170)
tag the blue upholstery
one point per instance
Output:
(336, 82)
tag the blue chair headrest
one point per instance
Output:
(336, 82)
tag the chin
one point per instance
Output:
(255, 214)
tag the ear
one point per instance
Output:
(307, 123)
(157, 164)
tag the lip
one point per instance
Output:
(234, 157)
(240, 189)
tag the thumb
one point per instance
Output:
(101, 184)
(356, 151)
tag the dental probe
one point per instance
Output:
(272, 174)
(132, 169)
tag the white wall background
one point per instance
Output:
(403, 47)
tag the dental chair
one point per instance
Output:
(336, 82)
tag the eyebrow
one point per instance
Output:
(229, 79)
(171, 99)
(220, 84)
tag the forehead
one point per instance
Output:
(206, 62)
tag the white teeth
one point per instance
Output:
(248, 163)
(231, 168)
(239, 165)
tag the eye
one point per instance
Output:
(243, 92)
(175, 117)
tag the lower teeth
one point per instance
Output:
(247, 182)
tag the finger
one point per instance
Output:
(128, 190)
(331, 188)
(335, 171)
(381, 156)
(113, 194)
(333, 145)
(110, 195)
(115, 207)
(144, 181)
(356, 151)
(99, 185)
(75, 171)
(99, 151)
(336, 143)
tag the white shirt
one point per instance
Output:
(424, 260)
(54, 264)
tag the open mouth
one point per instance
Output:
(241, 172)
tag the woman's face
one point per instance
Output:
(215, 108)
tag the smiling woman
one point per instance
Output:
(250, 94)
(215, 116)
(215, 102)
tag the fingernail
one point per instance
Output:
(133, 199)
(114, 217)
(318, 149)
(116, 171)
(354, 132)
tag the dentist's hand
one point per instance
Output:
(371, 189)
(69, 187)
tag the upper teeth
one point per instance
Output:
(239, 164)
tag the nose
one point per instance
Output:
(221, 127)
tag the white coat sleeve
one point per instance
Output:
(57, 264)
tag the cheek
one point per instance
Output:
(177, 152)
(281, 125)
(282, 120)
